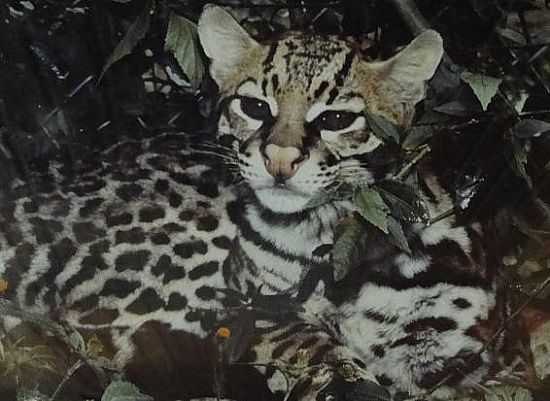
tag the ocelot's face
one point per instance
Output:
(294, 109)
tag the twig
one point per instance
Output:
(411, 16)
(72, 370)
(407, 168)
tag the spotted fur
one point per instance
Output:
(158, 231)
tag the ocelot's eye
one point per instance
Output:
(335, 120)
(255, 108)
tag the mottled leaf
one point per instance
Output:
(372, 208)
(404, 201)
(397, 235)
(383, 128)
(484, 87)
(508, 393)
(350, 235)
(135, 33)
(182, 40)
(120, 390)
(530, 128)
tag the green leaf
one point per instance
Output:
(182, 40)
(404, 201)
(383, 128)
(351, 236)
(135, 33)
(530, 128)
(124, 391)
(372, 208)
(397, 236)
(484, 87)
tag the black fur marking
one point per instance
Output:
(119, 288)
(343, 72)
(378, 350)
(440, 324)
(163, 264)
(160, 239)
(134, 236)
(175, 200)
(100, 317)
(207, 223)
(173, 228)
(222, 242)
(86, 303)
(384, 380)
(17, 266)
(87, 232)
(187, 215)
(320, 90)
(150, 214)
(275, 82)
(174, 272)
(332, 95)
(133, 260)
(147, 302)
(129, 192)
(205, 293)
(162, 186)
(90, 207)
(320, 354)
(176, 302)
(187, 249)
(118, 219)
(45, 229)
(462, 303)
(203, 270)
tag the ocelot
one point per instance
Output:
(157, 236)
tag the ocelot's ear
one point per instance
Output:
(405, 73)
(224, 41)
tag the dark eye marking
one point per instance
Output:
(255, 108)
(335, 120)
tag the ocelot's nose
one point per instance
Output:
(282, 162)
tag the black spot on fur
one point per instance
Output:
(280, 349)
(118, 219)
(203, 270)
(90, 207)
(207, 223)
(100, 317)
(222, 242)
(119, 288)
(205, 293)
(440, 324)
(128, 192)
(160, 239)
(174, 272)
(134, 236)
(86, 303)
(378, 350)
(162, 185)
(45, 229)
(134, 260)
(174, 228)
(163, 264)
(187, 215)
(30, 207)
(462, 303)
(174, 200)
(149, 214)
(176, 302)
(384, 380)
(87, 232)
(147, 302)
(188, 249)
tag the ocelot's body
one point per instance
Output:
(152, 233)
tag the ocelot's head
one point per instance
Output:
(295, 106)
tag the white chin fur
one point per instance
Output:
(281, 200)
